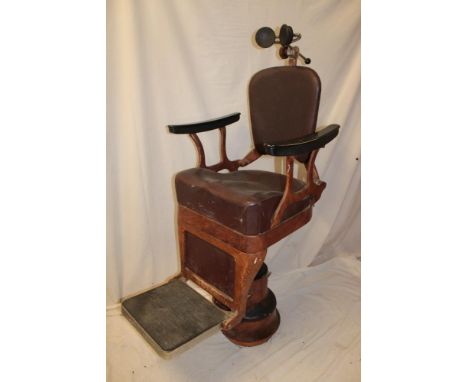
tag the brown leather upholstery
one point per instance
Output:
(242, 200)
(284, 103)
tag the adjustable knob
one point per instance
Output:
(306, 60)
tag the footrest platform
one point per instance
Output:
(171, 315)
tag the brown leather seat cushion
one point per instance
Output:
(242, 200)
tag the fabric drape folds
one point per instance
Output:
(184, 61)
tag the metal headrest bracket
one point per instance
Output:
(265, 37)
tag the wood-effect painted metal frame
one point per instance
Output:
(248, 251)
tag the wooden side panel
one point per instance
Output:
(210, 263)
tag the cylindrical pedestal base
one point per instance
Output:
(253, 333)
(261, 320)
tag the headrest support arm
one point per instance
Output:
(265, 37)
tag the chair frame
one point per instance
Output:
(248, 251)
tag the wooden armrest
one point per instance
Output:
(302, 145)
(199, 127)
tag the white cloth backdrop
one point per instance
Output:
(178, 61)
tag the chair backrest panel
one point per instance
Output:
(284, 103)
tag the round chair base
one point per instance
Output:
(261, 320)
(253, 333)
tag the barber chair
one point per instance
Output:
(227, 220)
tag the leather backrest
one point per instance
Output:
(284, 103)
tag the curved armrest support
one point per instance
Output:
(303, 145)
(199, 127)
(313, 188)
(218, 123)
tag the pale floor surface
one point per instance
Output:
(318, 339)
